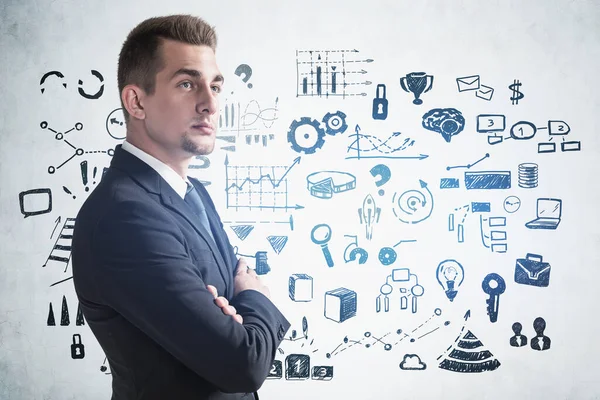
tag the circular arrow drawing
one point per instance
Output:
(413, 206)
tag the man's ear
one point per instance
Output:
(132, 96)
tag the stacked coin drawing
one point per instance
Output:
(528, 175)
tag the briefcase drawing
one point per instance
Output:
(532, 271)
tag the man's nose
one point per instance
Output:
(208, 101)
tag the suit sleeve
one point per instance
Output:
(145, 274)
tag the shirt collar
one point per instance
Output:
(174, 180)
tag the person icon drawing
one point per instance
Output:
(540, 341)
(518, 340)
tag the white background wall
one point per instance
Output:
(552, 47)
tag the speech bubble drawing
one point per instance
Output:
(31, 193)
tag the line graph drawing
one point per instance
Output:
(369, 340)
(468, 166)
(258, 187)
(371, 147)
(325, 73)
(254, 123)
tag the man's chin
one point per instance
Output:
(199, 147)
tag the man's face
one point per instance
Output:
(181, 115)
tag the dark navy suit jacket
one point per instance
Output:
(141, 263)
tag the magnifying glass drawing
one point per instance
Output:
(321, 234)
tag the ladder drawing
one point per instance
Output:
(61, 252)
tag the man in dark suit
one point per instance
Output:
(178, 316)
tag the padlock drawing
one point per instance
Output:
(77, 348)
(380, 103)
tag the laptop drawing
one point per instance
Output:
(548, 214)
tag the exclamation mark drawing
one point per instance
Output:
(84, 174)
(94, 175)
(69, 192)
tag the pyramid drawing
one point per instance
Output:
(277, 242)
(242, 231)
(468, 355)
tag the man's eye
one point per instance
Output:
(216, 89)
(186, 85)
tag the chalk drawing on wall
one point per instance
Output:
(250, 126)
(289, 222)
(468, 166)
(330, 73)
(307, 135)
(383, 173)
(61, 251)
(517, 95)
(258, 187)
(369, 340)
(366, 146)
(412, 362)
(353, 252)
(35, 202)
(80, 88)
(540, 341)
(321, 235)
(246, 71)
(548, 214)
(95, 95)
(115, 124)
(450, 275)
(401, 275)
(468, 355)
(380, 103)
(413, 206)
(493, 285)
(511, 204)
(324, 184)
(417, 83)
(369, 215)
(447, 122)
(532, 271)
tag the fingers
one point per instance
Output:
(212, 290)
(225, 307)
(223, 304)
(242, 266)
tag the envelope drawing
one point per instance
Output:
(468, 83)
(485, 92)
(532, 271)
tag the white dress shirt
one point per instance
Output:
(168, 174)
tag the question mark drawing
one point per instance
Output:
(384, 173)
(246, 71)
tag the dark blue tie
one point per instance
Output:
(195, 202)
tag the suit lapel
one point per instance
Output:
(175, 203)
(218, 233)
(152, 182)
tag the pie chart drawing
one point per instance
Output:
(323, 184)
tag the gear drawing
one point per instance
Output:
(306, 135)
(335, 123)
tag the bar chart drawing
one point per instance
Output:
(253, 122)
(258, 187)
(325, 73)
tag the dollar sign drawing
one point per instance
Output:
(517, 94)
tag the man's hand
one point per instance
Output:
(223, 304)
(246, 278)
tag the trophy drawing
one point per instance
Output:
(417, 82)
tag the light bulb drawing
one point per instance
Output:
(450, 274)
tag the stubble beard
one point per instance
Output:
(189, 146)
